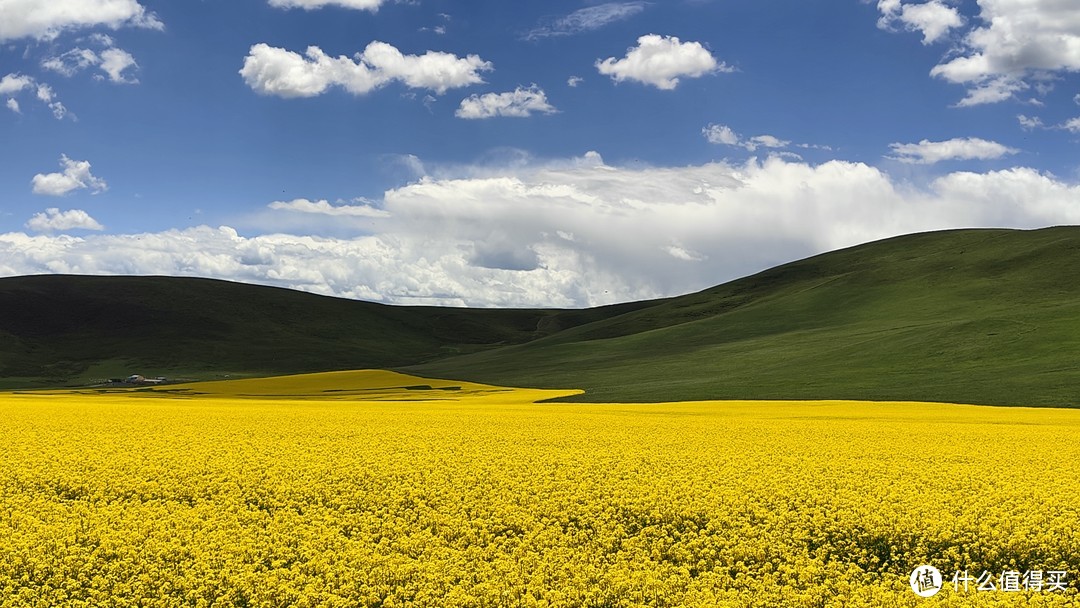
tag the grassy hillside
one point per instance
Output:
(974, 316)
(58, 330)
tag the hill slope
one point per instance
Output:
(976, 316)
(68, 329)
(972, 316)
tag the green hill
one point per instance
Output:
(976, 316)
(972, 316)
(57, 329)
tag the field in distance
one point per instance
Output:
(379, 489)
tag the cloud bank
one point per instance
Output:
(576, 232)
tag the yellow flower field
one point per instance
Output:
(376, 489)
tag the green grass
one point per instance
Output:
(57, 330)
(975, 316)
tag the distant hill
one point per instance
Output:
(974, 316)
(60, 329)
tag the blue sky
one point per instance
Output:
(526, 153)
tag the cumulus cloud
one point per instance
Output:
(724, 135)
(574, 232)
(13, 105)
(521, 103)
(660, 61)
(1014, 45)
(46, 19)
(962, 148)
(934, 18)
(276, 71)
(75, 176)
(1072, 125)
(586, 19)
(54, 220)
(364, 5)
(322, 207)
(574, 81)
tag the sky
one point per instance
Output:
(532, 153)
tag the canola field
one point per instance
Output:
(377, 489)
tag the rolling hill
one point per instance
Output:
(974, 316)
(62, 329)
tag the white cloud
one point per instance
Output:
(13, 105)
(765, 141)
(587, 19)
(521, 102)
(962, 148)
(46, 19)
(720, 134)
(575, 232)
(45, 95)
(364, 5)
(1029, 122)
(112, 61)
(1072, 125)
(275, 71)
(322, 207)
(54, 220)
(681, 253)
(723, 134)
(71, 62)
(13, 84)
(992, 91)
(661, 61)
(75, 176)
(574, 81)
(934, 19)
(104, 40)
(1017, 43)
